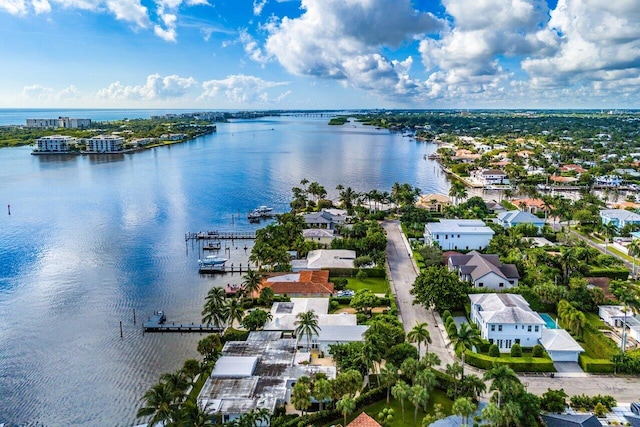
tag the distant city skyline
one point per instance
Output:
(320, 54)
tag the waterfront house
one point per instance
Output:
(300, 284)
(323, 236)
(506, 319)
(433, 202)
(572, 168)
(254, 374)
(54, 144)
(457, 234)
(490, 177)
(608, 180)
(484, 271)
(619, 217)
(326, 218)
(513, 218)
(325, 258)
(104, 144)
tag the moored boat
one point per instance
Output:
(212, 260)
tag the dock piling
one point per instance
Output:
(134, 316)
(121, 329)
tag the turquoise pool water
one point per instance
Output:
(550, 322)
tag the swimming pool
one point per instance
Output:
(550, 323)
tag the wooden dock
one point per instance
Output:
(158, 323)
(220, 235)
(222, 269)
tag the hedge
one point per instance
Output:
(596, 366)
(351, 272)
(612, 273)
(518, 364)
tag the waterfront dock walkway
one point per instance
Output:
(220, 235)
(158, 323)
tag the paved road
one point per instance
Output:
(402, 274)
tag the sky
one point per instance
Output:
(320, 54)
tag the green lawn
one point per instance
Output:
(377, 285)
(594, 320)
(437, 396)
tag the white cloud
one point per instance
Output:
(41, 6)
(130, 11)
(37, 92)
(155, 88)
(47, 95)
(465, 59)
(14, 7)
(168, 32)
(594, 43)
(335, 39)
(258, 5)
(242, 89)
(251, 48)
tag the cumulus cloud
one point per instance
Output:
(341, 40)
(258, 5)
(242, 89)
(47, 95)
(465, 59)
(592, 42)
(155, 88)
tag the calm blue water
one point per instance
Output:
(92, 238)
(550, 323)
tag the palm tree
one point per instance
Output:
(492, 414)
(177, 382)
(251, 282)
(634, 250)
(400, 391)
(388, 376)
(504, 379)
(346, 405)
(301, 396)
(420, 334)
(234, 311)
(193, 416)
(409, 368)
(213, 311)
(306, 325)
(160, 403)
(474, 385)
(347, 196)
(321, 390)
(418, 396)
(464, 407)
(609, 230)
(463, 339)
(430, 360)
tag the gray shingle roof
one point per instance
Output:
(478, 265)
(570, 420)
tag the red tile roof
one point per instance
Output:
(363, 420)
(311, 283)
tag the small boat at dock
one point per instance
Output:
(212, 260)
(259, 213)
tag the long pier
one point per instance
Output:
(222, 269)
(220, 235)
(157, 323)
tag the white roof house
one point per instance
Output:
(560, 345)
(613, 315)
(253, 374)
(506, 319)
(321, 235)
(338, 334)
(451, 234)
(619, 217)
(321, 259)
(284, 314)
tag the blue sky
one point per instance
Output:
(317, 54)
